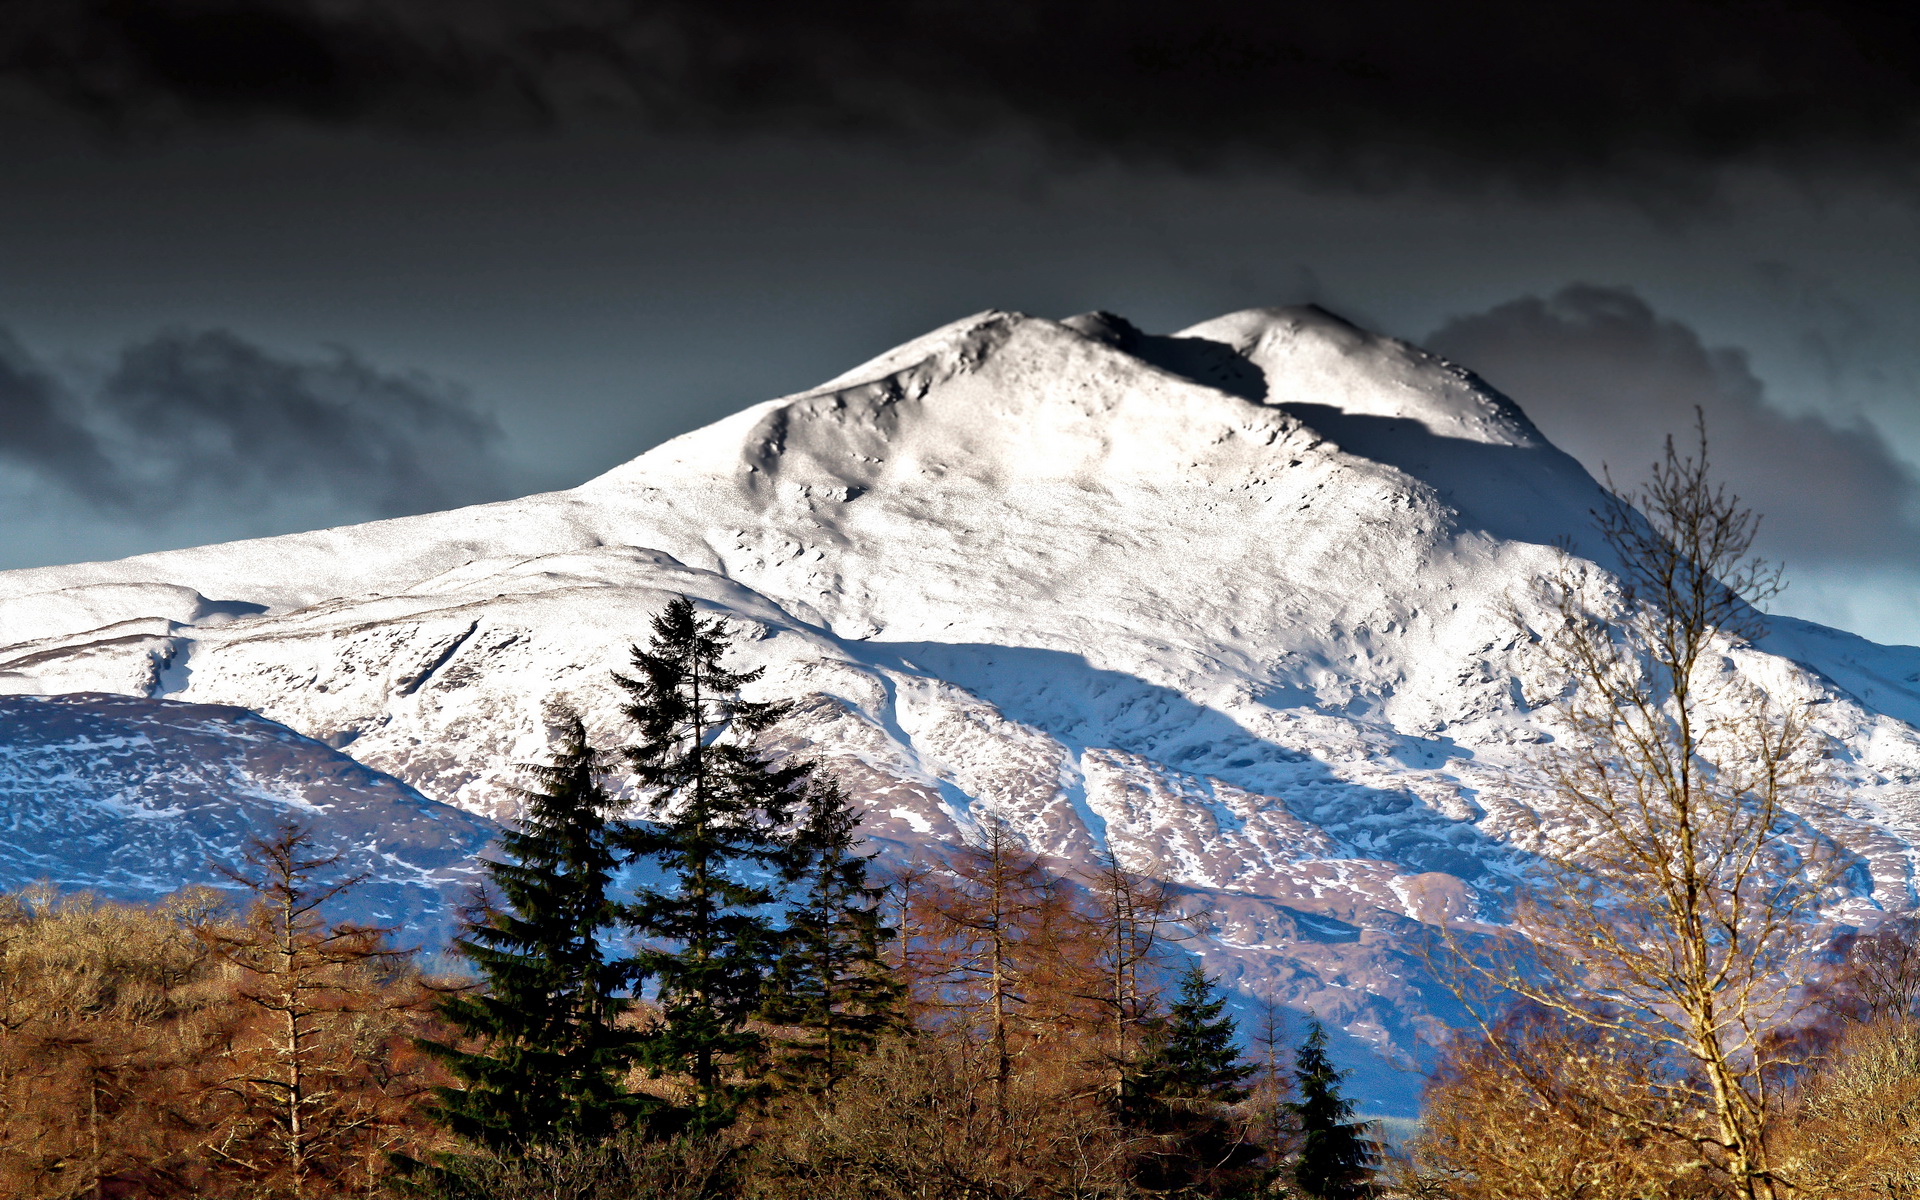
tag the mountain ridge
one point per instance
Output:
(1248, 620)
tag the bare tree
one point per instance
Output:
(1675, 882)
(1128, 922)
(310, 980)
(908, 887)
(992, 926)
(1854, 1130)
(1540, 1105)
(1275, 1122)
(1881, 970)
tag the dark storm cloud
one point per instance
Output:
(186, 419)
(136, 64)
(1365, 92)
(1607, 378)
(38, 428)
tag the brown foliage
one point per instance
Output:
(136, 1052)
(108, 1013)
(1036, 995)
(1545, 1106)
(1672, 902)
(319, 1075)
(992, 935)
(626, 1167)
(1854, 1128)
(920, 1119)
(174, 1052)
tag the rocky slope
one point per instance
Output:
(1232, 602)
(133, 798)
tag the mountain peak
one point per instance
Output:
(1000, 396)
(1242, 403)
(1331, 363)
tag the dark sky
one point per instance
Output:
(265, 266)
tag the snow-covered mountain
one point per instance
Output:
(133, 798)
(1231, 601)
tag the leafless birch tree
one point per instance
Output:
(1675, 881)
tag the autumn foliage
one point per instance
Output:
(1539, 1105)
(185, 1050)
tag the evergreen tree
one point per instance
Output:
(1336, 1156)
(554, 1054)
(832, 982)
(1198, 1057)
(717, 805)
(1192, 1073)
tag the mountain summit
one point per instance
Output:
(1234, 602)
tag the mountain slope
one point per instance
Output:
(1233, 602)
(133, 798)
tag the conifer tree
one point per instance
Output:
(301, 1119)
(1192, 1073)
(716, 807)
(554, 1055)
(992, 930)
(832, 981)
(1198, 1057)
(1336, 1156)
(1272, 1090)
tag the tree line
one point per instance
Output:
(698, 987)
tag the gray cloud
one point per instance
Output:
(1607, 379)
(187, 419)
(38, 428)
(1369, 93)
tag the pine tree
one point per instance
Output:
(1336, 1156)
(717, 805)
(554, 1056)
(1192, 1073)
(832, 981)
(1198, 1057)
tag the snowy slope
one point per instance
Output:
(132, 798)
(1230, 601)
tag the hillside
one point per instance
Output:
(1232, 601)
(133, 798)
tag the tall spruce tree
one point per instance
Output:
(553, 1053)
(1336, 1155)
(832, 982)
(1192, 1074)
(1198, 1057)
(717, 804)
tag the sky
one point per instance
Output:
(268, 266)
